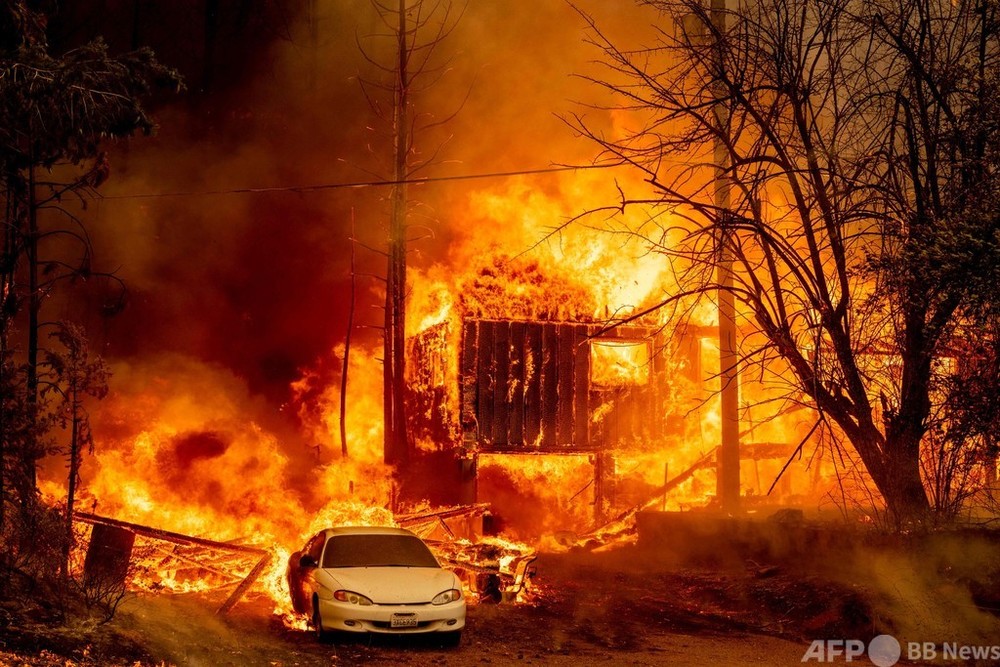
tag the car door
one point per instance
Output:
(300, 580)
(313, 551)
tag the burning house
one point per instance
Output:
(543, 388)
(616, 411)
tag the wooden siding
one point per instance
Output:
(525, 386)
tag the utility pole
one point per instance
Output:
(728, 460)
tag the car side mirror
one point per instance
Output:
(308, 561)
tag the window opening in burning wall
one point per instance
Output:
(619, 363)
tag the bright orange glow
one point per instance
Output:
(177, 448)
(619, 363)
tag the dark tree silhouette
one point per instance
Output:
(416, 29)
(860, 143)
(55, 113)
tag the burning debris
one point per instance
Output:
(173, 562)
(159, 561)
(494, 569)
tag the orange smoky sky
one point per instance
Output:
(257, 283)
(227, 353)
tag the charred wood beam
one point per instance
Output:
(167, 536)
(501, 382)
(766, 450)
(194, 563)
(245, 585)
(704, 461)
(486, 371)
(532, 386)
(465, 510)
(515, 384)
(581, 390)
(550, 387)
(565, 356)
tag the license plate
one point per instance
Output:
(403, 621)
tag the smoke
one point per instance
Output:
(259, 282)
(236, 300)
(922, 587)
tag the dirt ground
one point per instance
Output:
(591, 609)
(626, 607)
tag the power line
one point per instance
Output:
(354, 184)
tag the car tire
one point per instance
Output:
(451, 639)
(317, 621)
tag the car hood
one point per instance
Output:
(393, 585)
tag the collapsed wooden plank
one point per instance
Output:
(762, 451)
(195, 542)
(245, 585)
(515, 384)
(194, 563)
(448, 513)
(617, 524)
(166, 535)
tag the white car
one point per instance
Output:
(380, 580)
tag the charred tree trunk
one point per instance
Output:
(8, 260)
(11, 448)
(397, 448)
(893, 462)
(904, 492)
(211, 35)
(906, 427)
(34, 308)
(347, 348)
(74, 474)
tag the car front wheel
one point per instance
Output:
(321, 634)
(451, 639)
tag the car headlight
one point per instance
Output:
(450, 595)
(352, 597)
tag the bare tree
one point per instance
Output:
(349, 335)
(416, 29)
(855, 133)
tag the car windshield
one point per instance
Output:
(377, 551)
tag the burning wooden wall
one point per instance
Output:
(541, 386)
